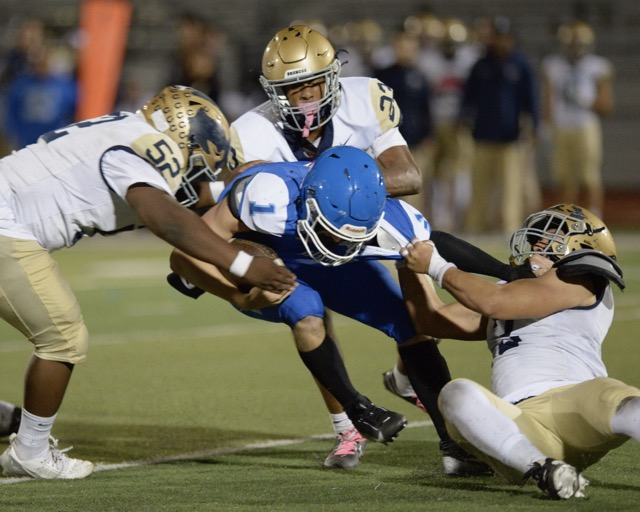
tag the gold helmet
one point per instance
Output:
(558, 231)
(295, 55)
(576, 33)
(200, 129)
(454, 31)
(425, 25)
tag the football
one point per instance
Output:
(254, 249)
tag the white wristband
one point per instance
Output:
(216, 188)
(438, 266)
(241, 264)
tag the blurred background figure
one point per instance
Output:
(362, 41)
(447, 69)
(577, 90)
(42, 93)
(27, 41)
(500, 101)
(412, 94)
(197, 55)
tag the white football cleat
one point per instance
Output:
(54, 464)
(558, 479)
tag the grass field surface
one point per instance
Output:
(189, 406)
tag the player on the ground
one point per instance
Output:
(100, 176)
(553, 411)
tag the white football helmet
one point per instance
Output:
(295, 55)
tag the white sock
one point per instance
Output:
(341, 423)
(33, 435)
(486, 427)
(626, 419)
(402, 383)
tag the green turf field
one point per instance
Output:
(187, 405)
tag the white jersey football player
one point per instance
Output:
(447, 65)
(577, 88)
(100, 176)
(310, 109)
(553, 411)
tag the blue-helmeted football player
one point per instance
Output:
(317, 217)
(329, 221)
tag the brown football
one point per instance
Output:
(254, 249)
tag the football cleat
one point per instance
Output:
(346, 453)
(558, 479)
(390, 385)
(10, 417)
(375, 423)
(54, 464)
(458, 462)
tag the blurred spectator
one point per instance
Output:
(361, 40)
(411, 92)
(41, 98)
(197, 55)
(28, 41)
(577, 89)
(447, 68)
(501, 101)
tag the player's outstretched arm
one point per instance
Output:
(525, 298)
(432, 317)
(401, 172)
(183, 229)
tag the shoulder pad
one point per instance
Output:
(588, 261)
(384, 105)
(237, 187)
(163, 153)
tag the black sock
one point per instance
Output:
(428, 373)
(326, 365)
(472, 259)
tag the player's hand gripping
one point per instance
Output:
(423, 257)
(266, 274)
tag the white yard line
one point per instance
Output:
(207, 453)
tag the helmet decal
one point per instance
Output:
(558, 231)
(197, 125)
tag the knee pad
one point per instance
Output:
(67, 342)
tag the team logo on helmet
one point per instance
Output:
(558, 231)
(192, 120)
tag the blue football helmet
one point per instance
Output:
(342, 205)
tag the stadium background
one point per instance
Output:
(247, 25)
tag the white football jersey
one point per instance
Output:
(535, 355)
(447, 78)
(73, 181)
(573, 88)
(367, 118)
